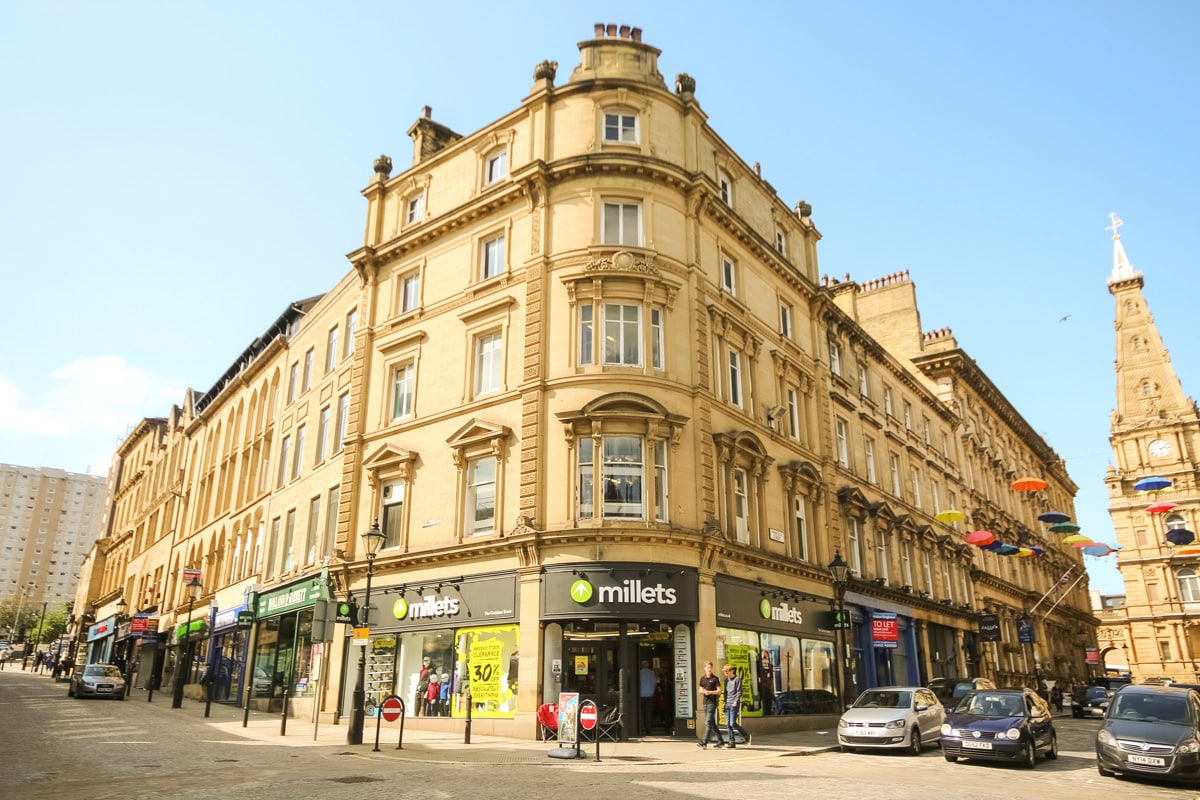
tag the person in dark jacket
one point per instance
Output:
(733, 706)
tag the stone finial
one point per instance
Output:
(383, 166)
(545, 71)
(803, 210)
(685, 86)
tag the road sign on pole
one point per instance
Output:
(391, 708)
(588, 715)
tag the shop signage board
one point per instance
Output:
(611, 589)
(685, 705)
(568, 718)
(289, 598)
(885, 629)
(1025, 631)
(989, 628)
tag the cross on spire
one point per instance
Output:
(1116, 223)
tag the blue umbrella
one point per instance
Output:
(1152, 484)
(1008, 550)
(1053, 516)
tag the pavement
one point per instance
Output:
(230, 724)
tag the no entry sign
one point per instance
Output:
(587, 715)
(390, 710)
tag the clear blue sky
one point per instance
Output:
(172, 175)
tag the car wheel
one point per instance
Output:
(1029, 756)
(1104, 773)
(914, 745)
(1052, 753)
(71, 691)
(122, 697)
(847, 749)
(950, 758)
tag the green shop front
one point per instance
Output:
(286, 660)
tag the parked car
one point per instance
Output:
(1092, 701)
(1000, 725)
(97, 680)
(949, 690)
(893, 717)
(1152, 731)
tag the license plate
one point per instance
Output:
(970, 744)
(1149, 761)
(104, 689)
(868, 732)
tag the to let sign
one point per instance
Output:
(885, 629)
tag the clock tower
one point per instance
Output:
(1154, 431)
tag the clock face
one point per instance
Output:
(1158, 448)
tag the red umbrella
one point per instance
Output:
(980, 538)
(1162, 507)
(1029, 484)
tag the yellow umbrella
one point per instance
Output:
(949, 516)
(1024, 552)
(1076, 537)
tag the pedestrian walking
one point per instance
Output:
(1056, 697)
(733, 706)
(5, 655)
(647, 683)
(710, 691)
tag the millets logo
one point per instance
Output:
(430, 606)
(631, 591)
(780, 613)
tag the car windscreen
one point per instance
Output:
(102, 671)
(986, 704)
(1148, 708)
(1096, 692)
(877, 698)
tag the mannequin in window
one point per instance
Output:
(766, 683)
(444, 687)
(433, 694)
(422, 685)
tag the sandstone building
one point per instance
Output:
(585, 376)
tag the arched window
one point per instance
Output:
(1189, 585)
(1147, 389)
(1175, 522)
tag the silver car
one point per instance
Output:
(98, 680)
(893, 717)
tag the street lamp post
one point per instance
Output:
(193, 590)
(839, 570)
(26, 591)
(373, 539)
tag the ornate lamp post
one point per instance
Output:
(185, 653)
(839, 570)
(373, 539)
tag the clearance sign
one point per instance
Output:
(885, 629)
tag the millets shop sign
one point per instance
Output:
(658, 591)
(764, 608)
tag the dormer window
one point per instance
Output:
(496, 166)
(725, 188)
(621, 127)
(415, 208)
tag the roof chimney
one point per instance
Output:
(427, 112)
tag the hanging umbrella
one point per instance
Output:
(1037, 551)
(1076, 537)
(1007, 549)
(1152, 483)
(1053, 516)
(1187, 551)
(980, 538)
(993, 546)
(1023, 552)
(1179, 536)
(1099, 549)
(1064, 527)
(1088, 543)
(1028, 484)
(1161, 508)
(949, 516)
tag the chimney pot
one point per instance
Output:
(599, 30)
(624, 31)
(427, 112)
(612, 29)
(758, 169)
(636, 34)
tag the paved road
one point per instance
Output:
(55, 747)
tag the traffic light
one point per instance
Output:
(322, 624)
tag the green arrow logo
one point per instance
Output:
(400, 608)
(764, 608)
(581, 591)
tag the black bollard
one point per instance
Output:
(467, 727)
(283, 722)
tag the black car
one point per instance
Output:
(1091, 702)
(1000, 725)
(949, 690)
(1152, 731)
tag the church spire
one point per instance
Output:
(1147, 386)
